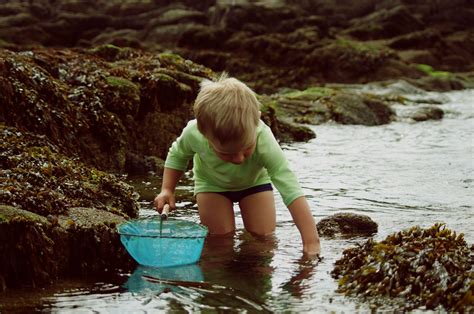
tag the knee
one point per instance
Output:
(264, 232)
(221, 232)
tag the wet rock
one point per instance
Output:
(354, 109)
(35, 252)
(346, 224)
(402, 91)
(284, 128)
(428, 113)
(139, 165)
(317, 105)
(414, 268)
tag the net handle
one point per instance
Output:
(165, 212)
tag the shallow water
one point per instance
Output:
(402, 174)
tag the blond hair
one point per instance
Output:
(227, 110)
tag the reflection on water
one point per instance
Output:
(402, 174)
(156, 280)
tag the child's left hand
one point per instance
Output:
(312, 250)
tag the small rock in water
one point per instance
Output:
(347, 224)
(428, 113)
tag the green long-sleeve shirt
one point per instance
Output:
(267, 164)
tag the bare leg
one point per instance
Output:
(258, 213)
(216, 212)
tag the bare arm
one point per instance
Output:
(305, 223)
(168, 186)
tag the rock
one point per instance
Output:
(385, 24)
(317, 105)
(428, 113)
(107, 99)
(346, 224)
(301, 48)
(354, 109)
(419, 56)
(37, 177)
(35, 252)
(423, 39)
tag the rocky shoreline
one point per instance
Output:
(269, 44)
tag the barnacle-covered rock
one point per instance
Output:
(422, 267)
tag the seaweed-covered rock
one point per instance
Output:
(101, 104)
(37, 177)
(417, 267)
(356, 109)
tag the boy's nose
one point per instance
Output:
(238, 159)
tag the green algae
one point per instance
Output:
(360, 46)
(9, 213)
(122, 83)
(429, 70)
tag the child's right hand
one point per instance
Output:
(165, 197)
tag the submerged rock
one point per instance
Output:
(416, 268)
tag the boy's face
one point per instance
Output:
(235, 153)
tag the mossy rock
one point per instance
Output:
(124, 96)
(355, 109)
(38, 178)
(312, 93)
(110, 52)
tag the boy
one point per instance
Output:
(235, 159)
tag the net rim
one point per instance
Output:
(201, 230)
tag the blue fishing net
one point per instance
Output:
(156, 243)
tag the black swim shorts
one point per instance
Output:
(236, 196)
